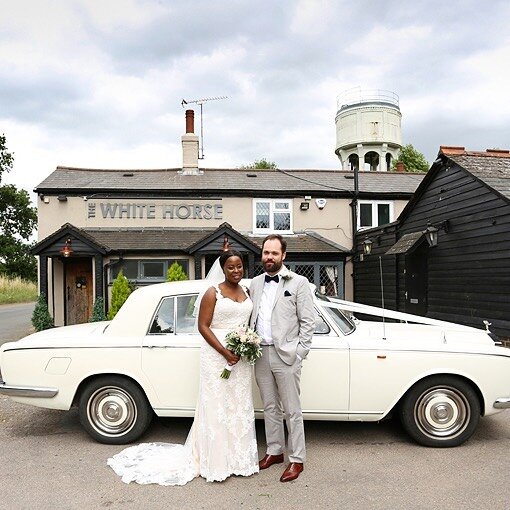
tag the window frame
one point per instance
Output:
(140, 278)
(175, 316)
(375, 212)
(272, 210)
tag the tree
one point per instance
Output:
(120, 292)
(17, 222)
(176, 273)
(260, 164)
(98, 314)
(414, 161)
(41, 318)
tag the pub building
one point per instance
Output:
(93, 223)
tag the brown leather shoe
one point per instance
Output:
(269, 460)
(292, 472)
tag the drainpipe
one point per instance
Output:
(354, 207)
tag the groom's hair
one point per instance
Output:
(227, 254)
(270, 237)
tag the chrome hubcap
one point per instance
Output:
(442, 412)
(112, 411)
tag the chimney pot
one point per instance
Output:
(190, 121)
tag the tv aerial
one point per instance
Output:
(201, 103)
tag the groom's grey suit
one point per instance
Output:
(278, 371)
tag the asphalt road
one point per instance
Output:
(15, 321)
(48, 462)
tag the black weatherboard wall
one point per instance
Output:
(466, 277)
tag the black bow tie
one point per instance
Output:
(274, 278)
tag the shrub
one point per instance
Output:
(98, 314)
(41, 318)
(176, 273)
(120, 292)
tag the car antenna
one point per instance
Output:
(382, 297)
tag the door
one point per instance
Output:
(416, 280)
(171, 354)
(78, 290)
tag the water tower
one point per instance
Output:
(368, 132)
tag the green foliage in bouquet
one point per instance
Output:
(120, 292)
(176, 273)
(98, 314)
(41, 318)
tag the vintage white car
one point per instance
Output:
(438, 377)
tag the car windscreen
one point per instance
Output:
(337, 316)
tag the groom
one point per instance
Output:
(283, 316)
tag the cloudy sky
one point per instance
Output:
(99, 83)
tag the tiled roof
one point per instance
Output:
(132, 239)
(309, 242)
(168, 239)
(229, 181)
(493, 169)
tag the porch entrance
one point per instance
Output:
(78, 290)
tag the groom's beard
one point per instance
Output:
(272, 267)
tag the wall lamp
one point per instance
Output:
(66, 250)
(226, 244)
(367, 246)
(304, 206)
(432, 232)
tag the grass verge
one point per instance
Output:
(16, 290)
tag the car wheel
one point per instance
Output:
(440, 411)
(114, 410)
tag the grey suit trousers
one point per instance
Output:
(279, 387)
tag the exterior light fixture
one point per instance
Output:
(304, 206)
(367, 246)
(226, 245)
(432, 232)
(66, 250)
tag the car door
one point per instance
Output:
(171, 353)
(325, 373)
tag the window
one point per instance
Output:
(164, 319)
(145, 270)
(374, 213)
(272, 215)
(175, 315)
(328, 277)
(186, 321)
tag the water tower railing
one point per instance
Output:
(357, 95)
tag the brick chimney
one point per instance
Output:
(400, 166)
(190, 146)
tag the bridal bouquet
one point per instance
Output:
(244, 342)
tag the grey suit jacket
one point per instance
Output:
(293, 317)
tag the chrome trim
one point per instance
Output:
(27, 391)
(502, 403)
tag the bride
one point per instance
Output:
(222, 439)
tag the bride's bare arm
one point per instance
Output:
(205, 316)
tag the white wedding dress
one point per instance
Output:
(222, 439)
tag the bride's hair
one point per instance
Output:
(227, 254)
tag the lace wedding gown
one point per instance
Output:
(222, 439)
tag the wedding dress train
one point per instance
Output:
(222, 439)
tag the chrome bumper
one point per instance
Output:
(502, 403)
(27, 391)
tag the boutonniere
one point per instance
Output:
(286, 275)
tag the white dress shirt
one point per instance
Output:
(265, 311)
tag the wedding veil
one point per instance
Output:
(215, 275)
